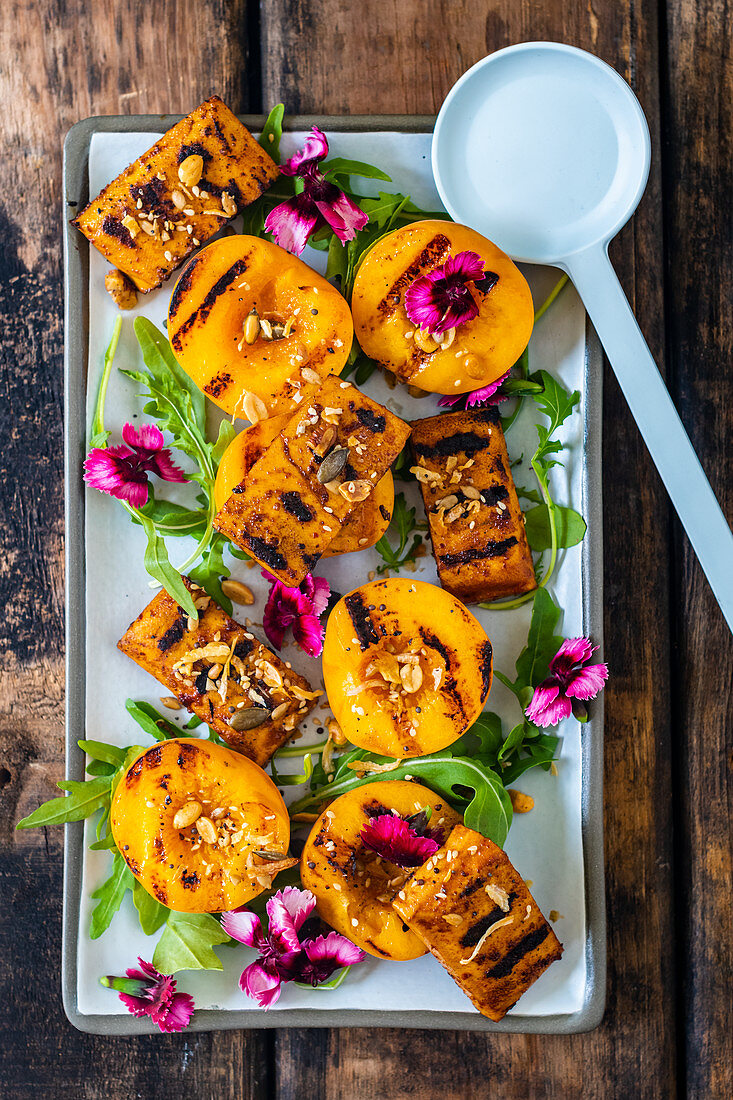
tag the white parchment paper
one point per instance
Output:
(545, 845)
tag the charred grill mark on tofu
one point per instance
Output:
(533, 939)
(469, 443)
(200, 681)
(361, 620)
(200, 314)
(113, 227)
(267, 553)
(435, 252)
(374, 422)
(243, 648)
(494, 494)
(493, 549)
(194, 149)
(172, 635)
(293, 503)
(476, 931)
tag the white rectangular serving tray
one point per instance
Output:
(559, 845)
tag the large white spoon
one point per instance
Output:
(545, 149)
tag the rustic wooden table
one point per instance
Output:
(668, 749)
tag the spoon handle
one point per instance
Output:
(657, 419)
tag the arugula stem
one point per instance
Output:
(300, 750)
(559, 285)
(553, 525)
(523, 364)
(98, 434)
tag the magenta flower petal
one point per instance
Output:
(117, 472)
(283, 910)
(138, 1006)
(442, 299)
(145, 438)
(323, 956)
(548, 706)
(261, 985)
(320, 595)
(343, 215)
(314, 150)
(573, 651)
(308, 633)
(587, 682)
(292, 222)
(163, 465)
(178, 1014)
(391, 837)
(296, 609)
(244, 926)
(156, 997)
(299, 904)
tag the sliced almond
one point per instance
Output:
(254, 407)
(190, 170)
(206, 830)
(187, 815)
(238, 592)
(228, 204)
(170, 702)
(355, 491)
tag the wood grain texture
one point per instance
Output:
(67, 63)
(405, 57)
(699, 176)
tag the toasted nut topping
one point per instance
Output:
(251, 327)
(445, 339)
(521, 803)
(205, 828)
(254, 407)
(447, 502)
(499, 895)
(354, 491)
(187, 815)
(425, 341)
(147, 228)
(472, 366)
(120, 289)
(332, 465)
(327, 441)
(249, 718)
(170, 702)
(131, 225)
(190, 170)
(178, 199)
(238, 592)
(228, 204)
(266, 329)
(310, 375)
(280, 711)
(471, 492)
(411, 676)
(453, 918)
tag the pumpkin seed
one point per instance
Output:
(189, 170)
(206, 830)
(271, 857)
(187, 815)
(333, 464)
(249, 718)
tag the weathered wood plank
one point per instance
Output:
(699, 172)
(66, 62)
(404, 58)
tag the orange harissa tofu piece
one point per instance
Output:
(473, 911)
(283, 514)
(197, 176)
(219, 671)
(476, 524)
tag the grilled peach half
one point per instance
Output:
(253, 326)
(406, 667)
(352, 884)
(190, 818)
(367, 523)
(468, 356)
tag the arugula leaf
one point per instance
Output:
(99, 767)
(570, 527)
(272, 132)
(542, 642)
(110, 895)
(100, 750)
(172, 519)
(187, 943)
(98, 436)
(150, 912)
(157, 564)
(468, 785)
(83, 799)
(293, 780)
(150, 720)
(338, 170)
(404, 524)
(211, 570)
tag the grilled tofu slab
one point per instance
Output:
(473, 911)
(296, 498)
(177, 195)
(476, 524)
(219, 671)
